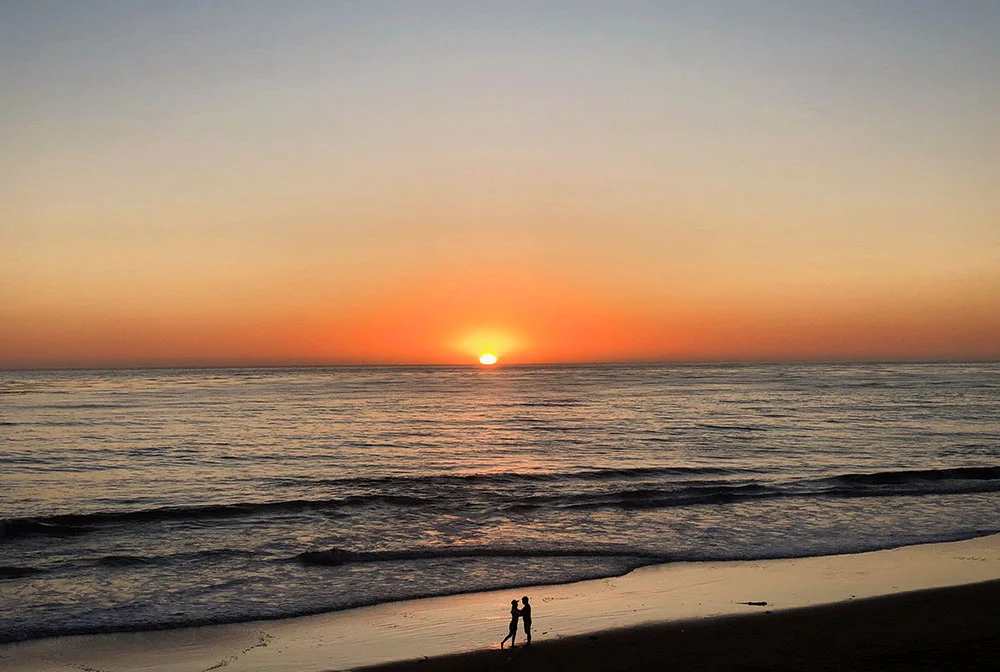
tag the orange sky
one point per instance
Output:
(347, 184)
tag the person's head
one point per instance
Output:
(524, 599)
(513, 603)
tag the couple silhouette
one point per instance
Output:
(524, 613)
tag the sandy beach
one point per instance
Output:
(877, 613)
(954, 628)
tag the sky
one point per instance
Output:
(266, 183)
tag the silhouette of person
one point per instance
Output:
(526, 617)
(512, 633)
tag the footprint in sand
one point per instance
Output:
(263, 638)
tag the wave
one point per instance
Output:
(73, 523)
(48, 527)
(921, 475)
(19, 572)
(585, 489)
(338, 556)
(79, 523)
(734, 428)
(962, 480)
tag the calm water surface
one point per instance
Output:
(144, 499)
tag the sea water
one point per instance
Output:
(162, 498)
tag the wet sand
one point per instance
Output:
(955, 629)
(680, 616)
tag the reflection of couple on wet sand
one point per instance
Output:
(524, 613)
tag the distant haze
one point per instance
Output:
(420, 182)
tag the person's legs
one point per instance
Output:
(527, 631)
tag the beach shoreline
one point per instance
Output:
(657, 599)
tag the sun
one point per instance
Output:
(488, 359)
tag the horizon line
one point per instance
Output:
(476, 365)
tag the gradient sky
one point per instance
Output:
(330, 182)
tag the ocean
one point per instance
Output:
(143, 499)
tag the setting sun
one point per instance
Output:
(488, 359)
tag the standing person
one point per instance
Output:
(512, 633)
(526, 616)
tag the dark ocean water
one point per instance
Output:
(147, 499)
